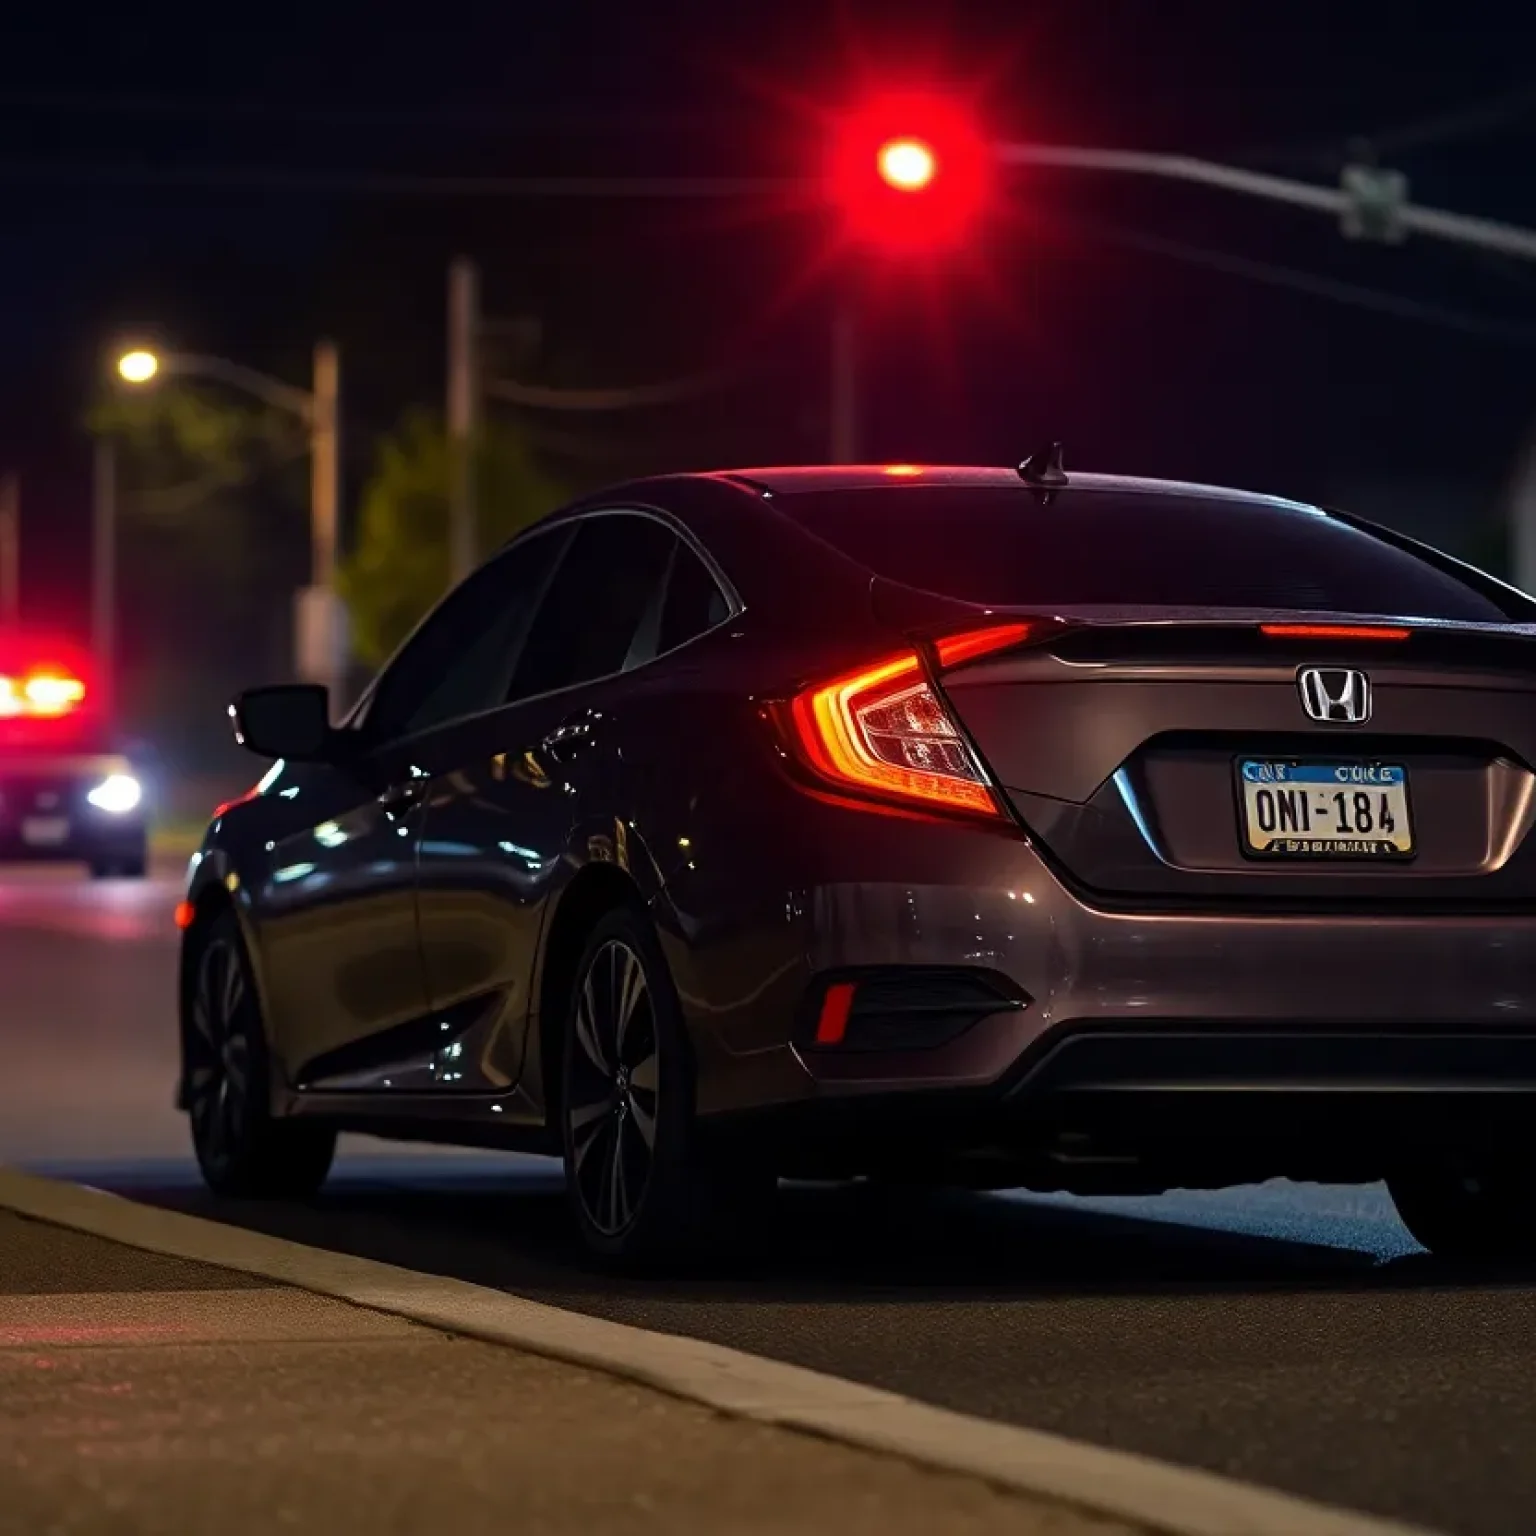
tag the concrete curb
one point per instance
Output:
(1152, 1495)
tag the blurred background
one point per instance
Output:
(230, 190)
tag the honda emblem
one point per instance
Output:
(1335, 695)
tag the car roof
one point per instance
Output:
(788, 480)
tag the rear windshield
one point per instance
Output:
(1002, 547)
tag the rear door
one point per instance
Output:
(501, 807)
(1233, 698)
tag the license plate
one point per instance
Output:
(45, 831)
(1325, 810)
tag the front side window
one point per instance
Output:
(460, 661)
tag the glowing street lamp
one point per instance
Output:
(138, 366)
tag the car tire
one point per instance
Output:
(1469, 1217)
(643, 1192)
(242, 1150)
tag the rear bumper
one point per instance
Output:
(1179, 1029)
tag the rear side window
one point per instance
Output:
(606, 585)
(694, 602)
(1003, 547)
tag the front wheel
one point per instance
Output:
(242, 1149)
(640, 1187)
(1483, 1216)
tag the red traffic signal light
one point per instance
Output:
(906, 164)
(911, 172)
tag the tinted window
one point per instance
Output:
(460, 661)
(608, 581)
(1003, 546)
(694, 602)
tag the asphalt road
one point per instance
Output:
(1289, 1335)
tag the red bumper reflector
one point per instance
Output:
(832, 1024)
(185, 912)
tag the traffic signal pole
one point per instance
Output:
(1370, 203)
(1344, 201)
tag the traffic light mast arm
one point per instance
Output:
(1457, 228)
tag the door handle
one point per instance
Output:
(399, 798)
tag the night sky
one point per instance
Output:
(1102, 312)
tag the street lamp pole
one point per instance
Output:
(321, 643)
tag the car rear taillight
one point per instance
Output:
(884, 732)
(40, 695)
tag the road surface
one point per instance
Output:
(1291, 1336)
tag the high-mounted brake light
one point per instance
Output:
(883, 731)
(1335, 631)
(40, 694)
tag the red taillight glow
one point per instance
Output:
(40, 694)
(832, 1021)
(883, 731)
(185, 915)
(1335, 631)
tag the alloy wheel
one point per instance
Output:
(614, 1087)
(218, 1053)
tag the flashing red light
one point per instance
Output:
(883, 732)
(911, 172)
(1335, 631)
(42, 693)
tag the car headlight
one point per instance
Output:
(118, 794)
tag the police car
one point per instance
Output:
(65, 794)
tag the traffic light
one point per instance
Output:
(911, 173)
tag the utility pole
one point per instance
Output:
(463, 415)
(104, 571)
(322, 640)
(844, 404)
(10, 551)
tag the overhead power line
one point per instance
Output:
(396, 184)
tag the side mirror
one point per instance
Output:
(288, 720)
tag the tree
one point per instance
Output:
(399, 563)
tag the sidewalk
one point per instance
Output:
(146, 1394)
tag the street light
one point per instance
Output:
(321, 645)
(138, 367)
